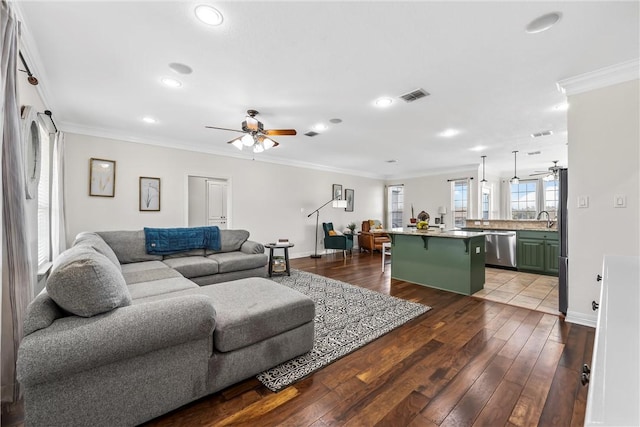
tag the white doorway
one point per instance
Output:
(208, 202)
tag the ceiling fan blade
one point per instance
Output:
(232, 130)
(233, 140)
(541, 173)
(280, 132)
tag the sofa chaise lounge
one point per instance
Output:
(119, 337)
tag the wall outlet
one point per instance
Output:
(485, 222)
(476, 222)
(619, 201)
(583, 201)
(477, 249)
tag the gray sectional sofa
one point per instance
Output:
(119, 337)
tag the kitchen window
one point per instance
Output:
(460, 197)
(395, 208)
(551, 196)
(530, 197)
(524, 200)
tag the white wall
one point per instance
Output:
(604, 160)
(427, 193)
(270, 200)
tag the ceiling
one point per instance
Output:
(300, 63)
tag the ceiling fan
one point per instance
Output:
(551, 173)
(255, 135)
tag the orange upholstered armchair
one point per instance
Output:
(372, 236)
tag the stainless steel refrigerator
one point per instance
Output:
(563, 273)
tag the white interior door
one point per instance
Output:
(216, 212)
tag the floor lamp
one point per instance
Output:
(336, 204)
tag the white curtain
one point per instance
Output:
(58, 224)
(505, 199)
(17, 286)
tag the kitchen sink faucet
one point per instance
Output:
(549, 222)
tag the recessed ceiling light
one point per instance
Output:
(478, 148)
(383, 102)
(208, 14)
(180, 68)
(449, 133)
(543, 23)
(392, 161)
(169, 82)
(320, 127)
(150, 120)
(336, 121)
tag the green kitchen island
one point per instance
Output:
(448, 260)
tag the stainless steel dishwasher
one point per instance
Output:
(500, 248)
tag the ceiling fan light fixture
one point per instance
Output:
(247, 140)
(267, 143)
(238, 143)
(208, 14)
(258, 148)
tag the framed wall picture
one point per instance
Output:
(348, 196)
(336, 192)
(149, 194)
(102, 177)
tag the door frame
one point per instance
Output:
(205, 175)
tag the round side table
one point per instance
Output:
(284, 246)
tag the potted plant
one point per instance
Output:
(412, 220)
(352, 227)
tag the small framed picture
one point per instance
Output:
(102, 177)
(337, 192)
(149, 194)
(348, 195)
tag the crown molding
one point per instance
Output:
(244, 155)
(614, 74)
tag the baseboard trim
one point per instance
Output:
(581, 319)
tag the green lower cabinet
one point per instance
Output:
(538, 251)
(531, 254)
(551, 256)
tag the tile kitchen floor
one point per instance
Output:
(532, 291)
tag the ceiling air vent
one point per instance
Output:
(311, 133)
(415, 95)
(543, 133)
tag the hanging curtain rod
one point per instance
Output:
(31, 79)
(460, 179)
(48, 113)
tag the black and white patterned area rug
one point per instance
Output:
(347, 317)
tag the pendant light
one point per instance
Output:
(483, 180)
(515, 179)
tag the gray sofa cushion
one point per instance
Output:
(192, 252)
(85, 283)
(132, 277)
(193, 266)
(142, 266)
(230, 240)
(96, 242)
(129, 246)
(159, 287)
(238, 261)
(254, 309)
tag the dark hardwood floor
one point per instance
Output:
(467, 362)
